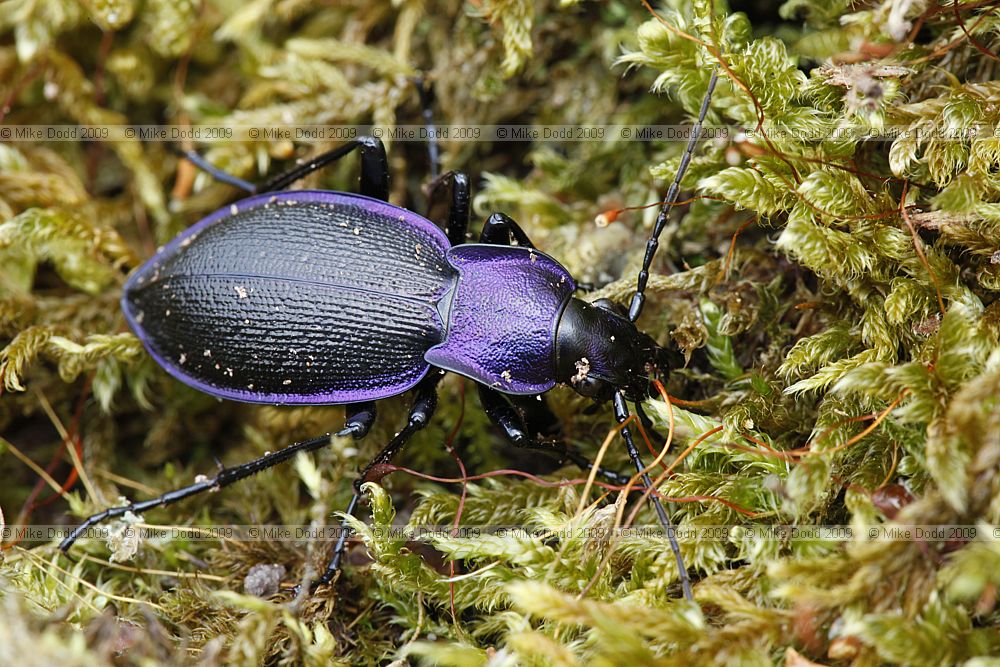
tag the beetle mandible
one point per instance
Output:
(320, 297)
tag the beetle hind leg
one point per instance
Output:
(374, 169)
(359, 420)
(218, 174)
(448, 204)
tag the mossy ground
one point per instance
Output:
(836, 299)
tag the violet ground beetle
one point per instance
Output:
(321, 297)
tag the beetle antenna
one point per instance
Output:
(635, 309)
(639, 298)
(426, 93)
(621, 414)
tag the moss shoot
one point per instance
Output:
(830, 280)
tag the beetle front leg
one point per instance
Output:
(424, 405)
(448, 205)
(500, 229)
(359, 420)
(502, 412)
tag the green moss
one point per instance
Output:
(835, 299)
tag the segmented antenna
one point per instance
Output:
(621, 407)
(426, 94)
(639, 298)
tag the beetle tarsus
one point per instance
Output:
(144, 506)
(338, 550)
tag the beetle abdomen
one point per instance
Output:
(297, 297)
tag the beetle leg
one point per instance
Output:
(621, 414)
(426, 94)
(197, 160)
(538, 416)
(448, 204)
(360, 417)
(374, 168)
(499, 229)
(358, 422)
(509, 418)
(423, 408)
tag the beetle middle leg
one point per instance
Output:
(360, 417)
(424, 405)
(449, 199)
(426, 94)
(500, 229)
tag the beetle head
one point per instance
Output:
(599, 350)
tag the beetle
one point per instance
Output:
(296, 297)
